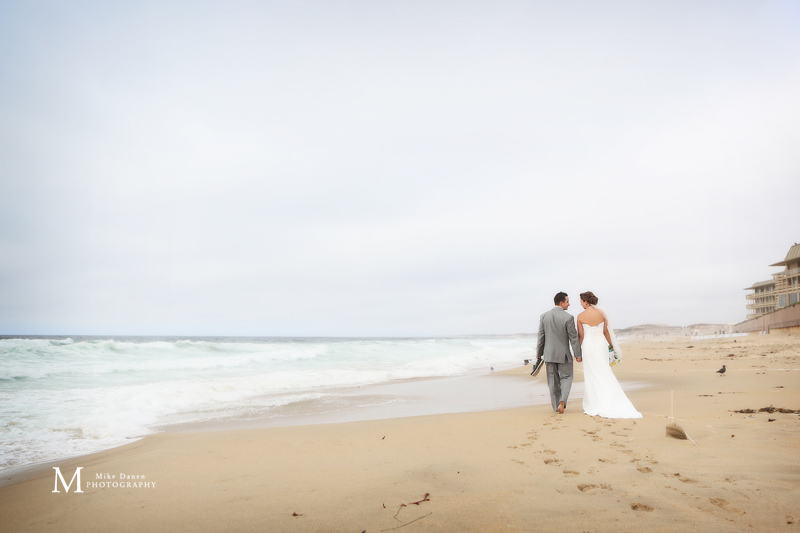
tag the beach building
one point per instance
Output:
(762, 301)
(781, 291)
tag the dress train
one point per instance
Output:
(603, 395)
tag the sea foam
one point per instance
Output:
(72, 396)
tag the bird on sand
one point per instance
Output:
(721, 371)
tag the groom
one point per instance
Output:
(556, 333)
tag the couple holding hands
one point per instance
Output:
(591, 343)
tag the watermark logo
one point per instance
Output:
(102, 481)
(66, 485)
(121, 481)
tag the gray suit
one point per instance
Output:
(556, 333)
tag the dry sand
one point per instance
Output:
(524, 469)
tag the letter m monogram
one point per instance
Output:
(77, 474)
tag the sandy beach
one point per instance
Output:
(521, 469)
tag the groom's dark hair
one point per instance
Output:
(560, 297)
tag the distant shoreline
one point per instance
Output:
(234, 338)
(701, 329)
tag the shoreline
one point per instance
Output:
(75, 398)
(404, 398)
(499, 470)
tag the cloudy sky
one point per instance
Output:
(399, 168)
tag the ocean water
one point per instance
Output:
(72, 396)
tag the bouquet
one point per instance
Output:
(613, 357)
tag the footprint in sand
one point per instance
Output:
(641, 507)
(644, 469)
(555, 462)
(571, 473)
(622, 448)
(724, 505)
(592, 434)
(586, 487)
(532, 437)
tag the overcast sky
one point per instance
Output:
(356, 168)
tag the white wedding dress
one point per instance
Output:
(602, 393)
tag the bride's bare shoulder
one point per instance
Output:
(592, 317)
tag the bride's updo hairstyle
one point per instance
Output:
(589, 297)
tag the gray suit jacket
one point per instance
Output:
(556, 333)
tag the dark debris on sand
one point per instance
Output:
(769, 409)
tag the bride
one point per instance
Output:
(602, 394)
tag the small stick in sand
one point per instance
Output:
(424, 499)
(673, 429)
(404, 525)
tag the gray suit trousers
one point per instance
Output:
(559, 380)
